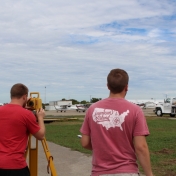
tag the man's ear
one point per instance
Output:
(126, 88)
(24, 97)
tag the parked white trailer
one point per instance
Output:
(168, 107)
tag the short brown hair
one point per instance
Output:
(18, 90)
(117, 80)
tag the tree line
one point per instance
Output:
(93, 100)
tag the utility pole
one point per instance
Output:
(45, 95)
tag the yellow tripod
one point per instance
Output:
(34, 104)
(33, 157)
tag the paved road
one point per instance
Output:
(147, 112)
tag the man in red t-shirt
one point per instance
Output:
(16, 123)
(115, 129)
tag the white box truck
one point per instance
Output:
(168, 107)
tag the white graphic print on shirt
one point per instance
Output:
(109, 118)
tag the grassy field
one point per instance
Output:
(161, 141)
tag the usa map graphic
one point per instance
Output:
(109, 118)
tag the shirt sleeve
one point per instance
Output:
(141, 128)
(85, 129)
(32, 124)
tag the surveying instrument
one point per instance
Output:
(34, 104)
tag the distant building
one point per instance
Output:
(57, 103)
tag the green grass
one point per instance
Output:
(162, 145)
(65, 133)
(161, 141)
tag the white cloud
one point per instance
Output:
(70, 46)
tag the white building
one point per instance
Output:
(57, 103)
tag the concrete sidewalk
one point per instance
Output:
(66, 161)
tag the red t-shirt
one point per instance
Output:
(112, 123)
(15, 125)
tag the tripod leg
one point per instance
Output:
(49, 158)
(33, 157)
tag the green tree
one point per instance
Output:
(83, 102)
(93, 100)
(74, 101)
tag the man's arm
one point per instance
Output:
(86, 142)
(41, 133)
(142, 153)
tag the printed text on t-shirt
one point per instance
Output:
(109, 118)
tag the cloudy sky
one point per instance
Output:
(65, 49)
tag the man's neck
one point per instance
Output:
(118, 95)
(16, 102)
